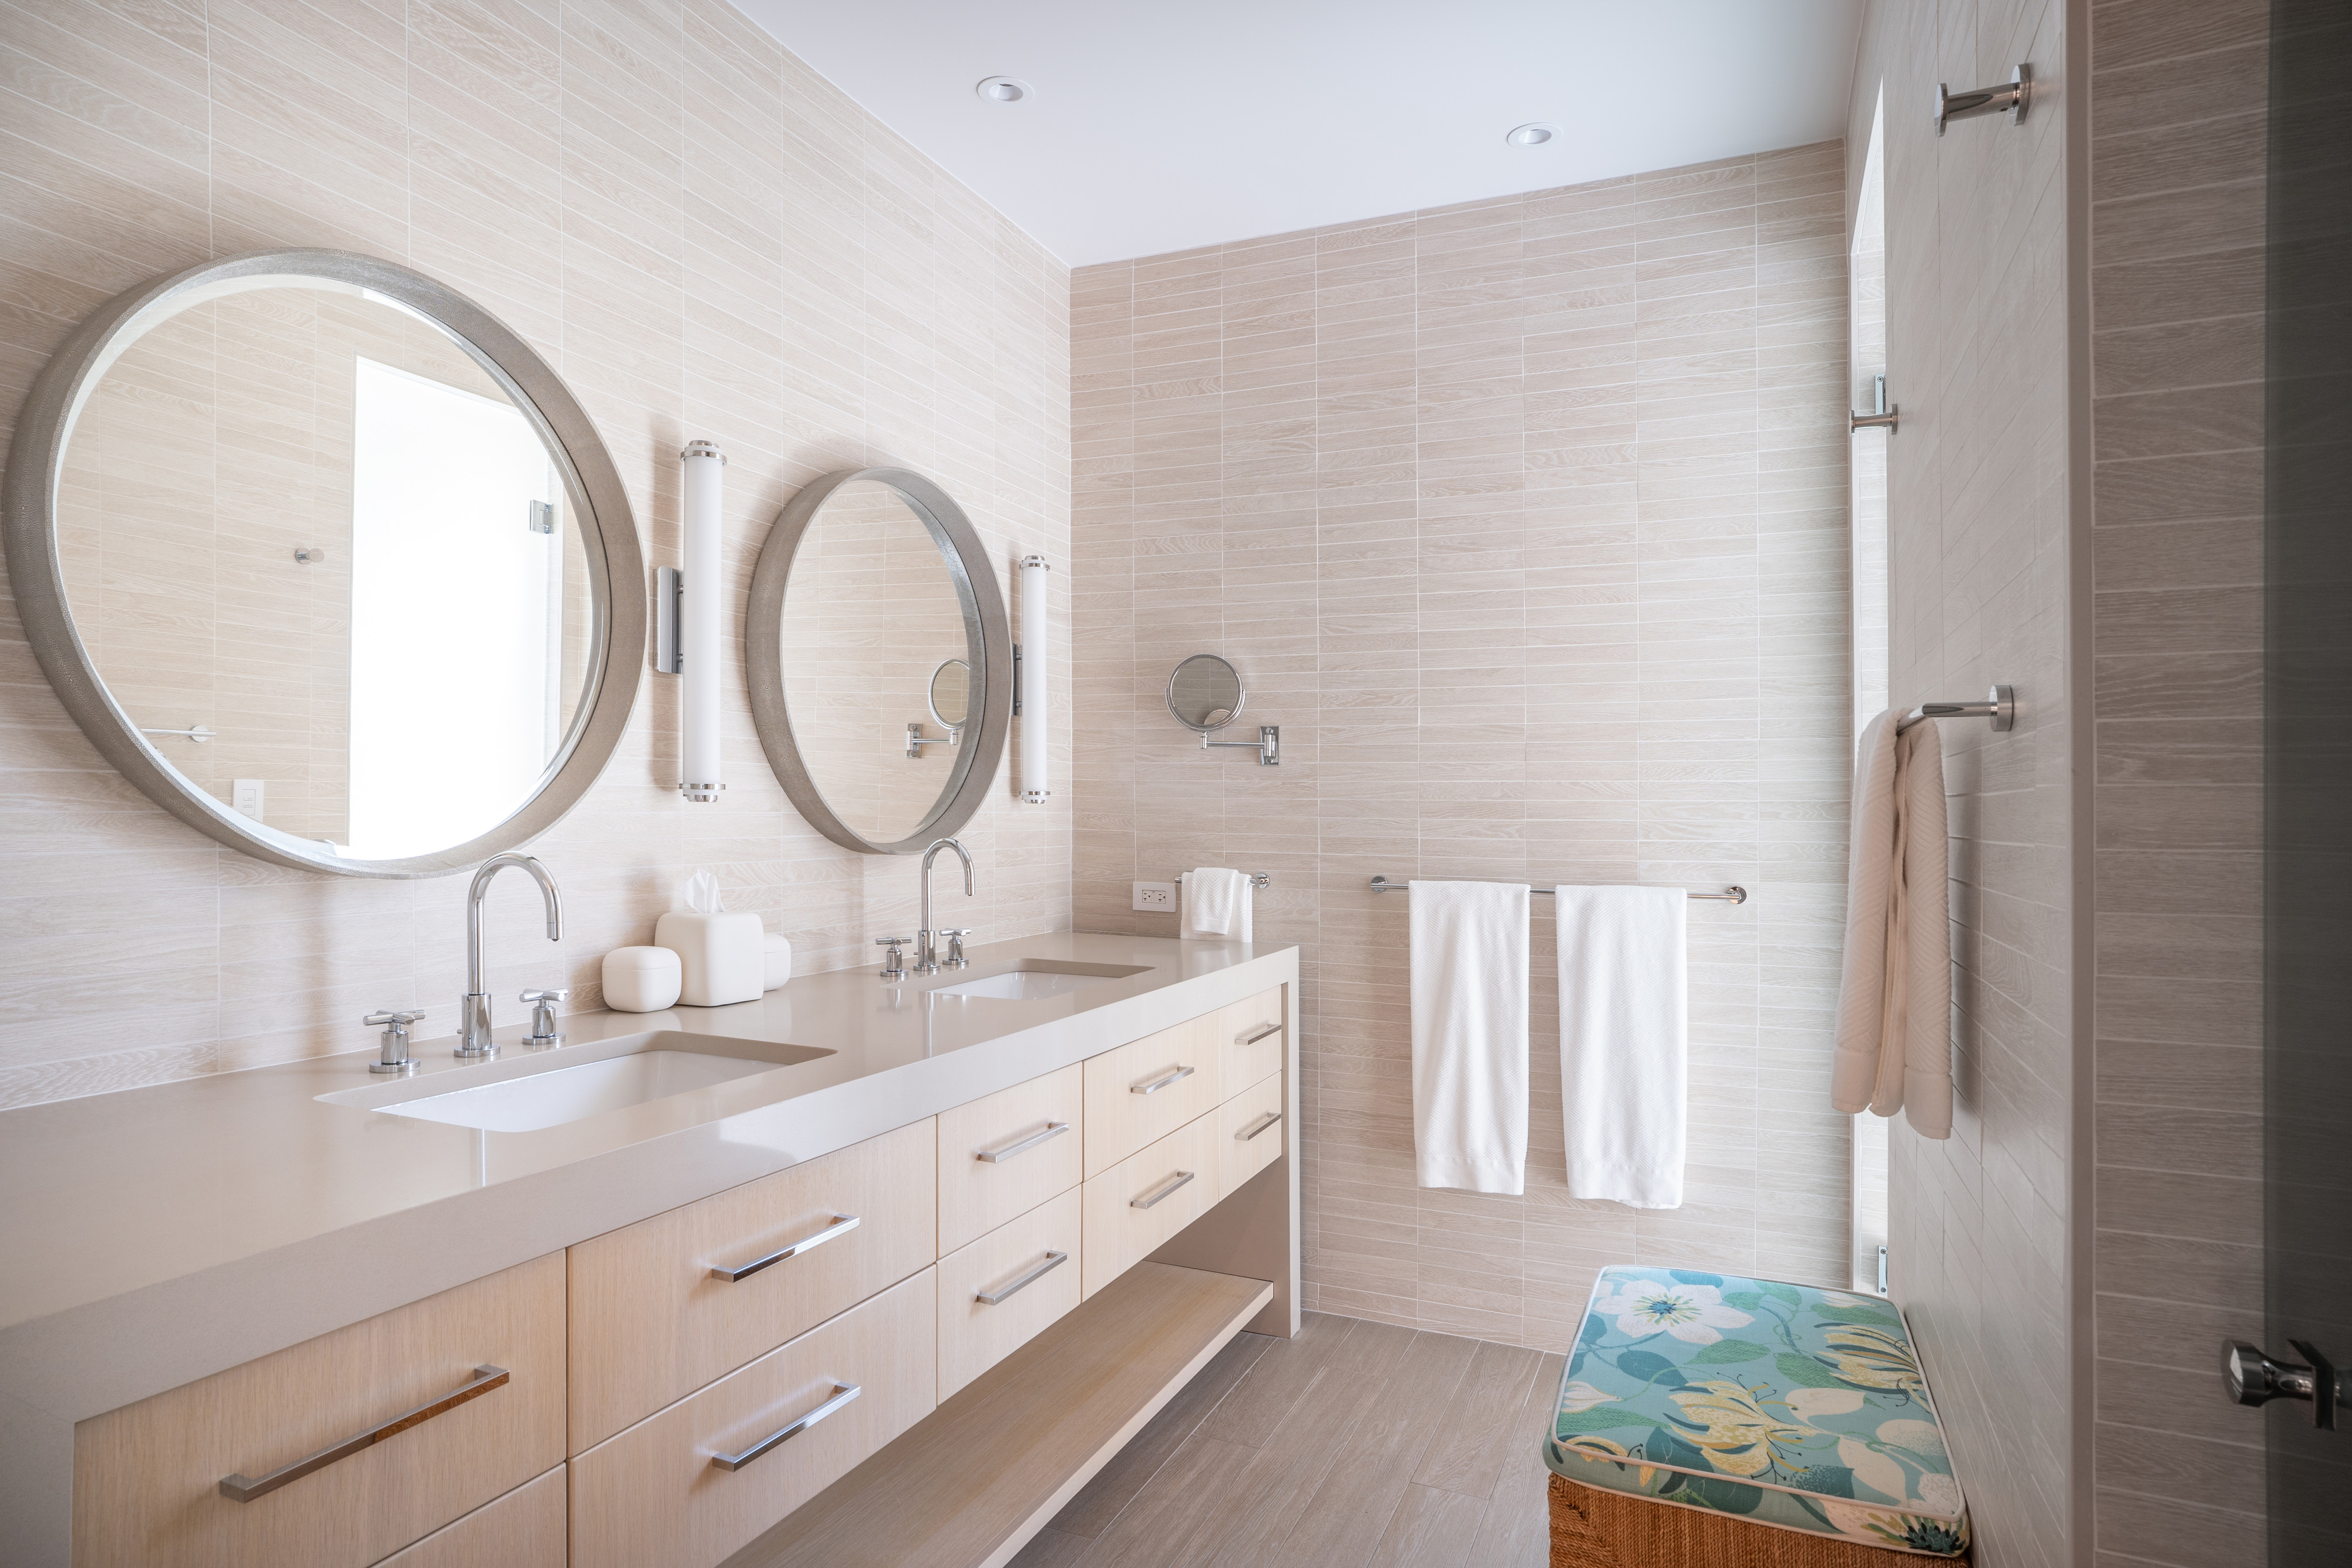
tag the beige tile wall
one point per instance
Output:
(2177, 117)
(1979, 572)
(1526, 522)
(705, 239)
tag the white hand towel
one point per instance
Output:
(1470, 1035)
(1216, 905)
(1624, 1041)
(1893, 1032)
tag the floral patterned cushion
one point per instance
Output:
(1785, 1404)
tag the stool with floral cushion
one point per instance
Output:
(1707, 1418)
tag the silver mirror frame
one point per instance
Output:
(600, 506)
(1240, 694)
(988, 636)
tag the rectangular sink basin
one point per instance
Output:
(524, 1093)
(1034, 979)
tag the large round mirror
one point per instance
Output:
(875, 608)
(1205, 693)
(327, 562)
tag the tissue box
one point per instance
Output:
(722, 955)
(641, 979)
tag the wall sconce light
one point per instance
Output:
(1029, 664)
(687, 605)
(2010, 99)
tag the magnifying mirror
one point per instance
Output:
(950, 695)
(1205, 693)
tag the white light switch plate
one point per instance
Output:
(246, 795)
(1158, 897)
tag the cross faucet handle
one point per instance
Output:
(392, 1055)
(955, 958)
(544, 1032)
(894, 967)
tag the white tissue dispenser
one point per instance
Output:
(641, 979)
(724, 956)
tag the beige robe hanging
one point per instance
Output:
(1894, 1031)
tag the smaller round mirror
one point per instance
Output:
(950, 695)
(1204, 693)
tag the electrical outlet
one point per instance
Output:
(1158, 897)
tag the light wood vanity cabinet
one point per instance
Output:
(659, 1358)
(147, 1478)
(651, 1320)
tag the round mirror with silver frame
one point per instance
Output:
(870, 584)
(1205, 693)
(949, 695)
(227, 528)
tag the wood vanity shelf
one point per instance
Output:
(908, 1352)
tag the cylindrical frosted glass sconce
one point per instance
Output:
(1036, 711)
(699, 604)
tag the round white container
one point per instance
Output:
(642, 980)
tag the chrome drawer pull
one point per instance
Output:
(843, 1392)
(1157, 1084)
(994, 1156)
(1261, 1034)
(1053, 1262)
(1162, 1190)
(244, 1488)
(1271, 1118)
(842, 1225)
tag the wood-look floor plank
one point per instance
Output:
(1516, 1529)
(1050, 1548)
(1184, 1497)
(1478, 1439)
(1278, 1380)
(1116, 1485)
(1432, 1528)
(1283, 1476)
(1351, 1510)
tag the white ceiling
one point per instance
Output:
(1161, 125)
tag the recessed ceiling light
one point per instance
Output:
(1532, 135)
(1005, 90)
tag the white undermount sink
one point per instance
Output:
(527, 1093)
(1034, 979)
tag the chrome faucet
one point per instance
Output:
(474, 1010)
(926, 947)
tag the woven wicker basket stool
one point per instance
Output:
(1710, 1420)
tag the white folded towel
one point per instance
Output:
(1470, 1035)
(1895, 1001)
(1216, 905)
(1624, 1041)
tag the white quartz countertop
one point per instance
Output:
(158, 1235)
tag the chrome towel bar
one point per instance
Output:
(1259, 879)
(2000, 706)
(1728, 895)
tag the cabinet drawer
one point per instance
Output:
(1147, 1089)
(147, 1477)
(650, 1321)
(524, 1529)
(1249, 1039)
(1117, 1233)
(1032, 1162)
(658, 1494)
(1250, 1132)
(975, 1334)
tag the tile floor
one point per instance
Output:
(1242, 1468)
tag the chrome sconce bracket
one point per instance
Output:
(1881, 418)
(2010, 99)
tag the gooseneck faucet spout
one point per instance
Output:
(474, 1011)
(926, 947)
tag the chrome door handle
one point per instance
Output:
(2254, 1378)
(1262, 1031)
(843, 1392)
(1053, 1262)
(1157, 1084)
(1271, 1118)
(242, 1488)
(1171, 1185)
(997, 1156)
(843, 1224)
